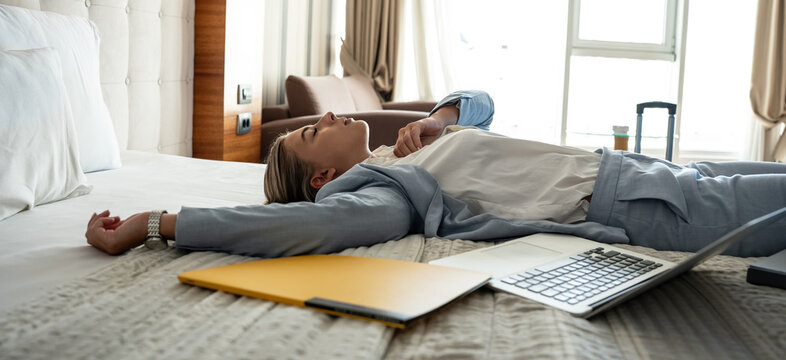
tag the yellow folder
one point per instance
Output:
(392, 292)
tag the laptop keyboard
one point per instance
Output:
(581, 277)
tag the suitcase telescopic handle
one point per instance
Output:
(656, 104)
(669, 133)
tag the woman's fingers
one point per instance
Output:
(107, 221)
(95, 236)
(404, 148)
(409, 144)
(409, 139)
(95, 216)
(416, 134)
(115, 224)
(99, 236)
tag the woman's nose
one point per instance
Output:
(326, 119)
(329, 117)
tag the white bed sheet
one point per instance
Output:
(45, 247)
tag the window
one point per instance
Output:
(698, 62)
(567, 71)
(610, 71)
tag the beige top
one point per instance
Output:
(507, 177)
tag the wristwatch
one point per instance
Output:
(154, 240)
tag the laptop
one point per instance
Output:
(581, 276)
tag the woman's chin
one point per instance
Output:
(361, 124)
(364, 126)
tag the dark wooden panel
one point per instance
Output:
(209, 34)
(227, 51)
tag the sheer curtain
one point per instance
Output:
(515, 50)
(424, 71)
(300, 39)
(718, 57)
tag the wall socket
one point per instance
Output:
(243, 123)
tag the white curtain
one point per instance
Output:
(298, 41)
(514, 50)
(425, 71)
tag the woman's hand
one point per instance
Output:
(113, 236)
(416, 135)
(420, 133)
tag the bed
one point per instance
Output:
(60, 298)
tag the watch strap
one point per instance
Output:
(154, 240)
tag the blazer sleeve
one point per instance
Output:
(342, 220)
(476, 107)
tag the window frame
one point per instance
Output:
(644, 51)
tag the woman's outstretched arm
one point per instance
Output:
(344, 220)
(361, 218)
(114, 236)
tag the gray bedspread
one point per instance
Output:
(136, 309)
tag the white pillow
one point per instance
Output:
(39, 158)
(77, 42)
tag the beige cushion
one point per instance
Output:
(314, 95)
(363, 93)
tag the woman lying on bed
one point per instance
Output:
(445, 177)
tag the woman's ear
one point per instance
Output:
(320, 178)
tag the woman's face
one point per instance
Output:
(332, 143)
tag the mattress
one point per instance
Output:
(46, 246)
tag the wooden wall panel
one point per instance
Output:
(227, 52)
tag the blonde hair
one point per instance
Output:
(287, 178)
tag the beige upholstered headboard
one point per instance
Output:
(147, 67)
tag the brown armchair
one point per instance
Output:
(310, 97)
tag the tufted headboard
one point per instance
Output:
(147, 67)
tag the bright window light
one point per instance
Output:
(604, 93)
(337, 35)
(514, 50)
(716, 110)
(642, 21)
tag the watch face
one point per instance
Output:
(156, 243)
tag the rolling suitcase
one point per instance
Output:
(672, 108)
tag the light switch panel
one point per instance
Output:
(244, 94)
